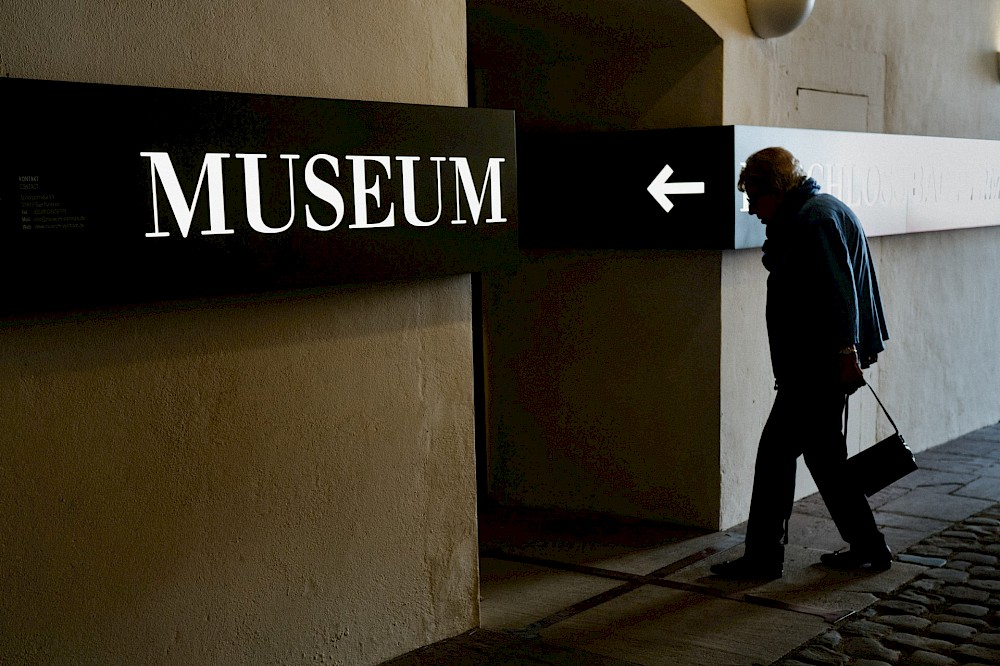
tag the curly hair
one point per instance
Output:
(771, 170)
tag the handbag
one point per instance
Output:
(884, 463)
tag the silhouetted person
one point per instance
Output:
(824, 324)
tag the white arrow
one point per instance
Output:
(660, 188)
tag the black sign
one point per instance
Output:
(643, 189)
(112, 194)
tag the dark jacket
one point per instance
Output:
(822, 293)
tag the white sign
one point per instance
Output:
(895, 183)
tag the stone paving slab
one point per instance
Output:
(483, 647)
(514, 595)
(806, 585)
(647, 561)
(947, 462)
(883, 497)
(930, 503)
(926, 477)
(985, 444)
(987, 488)
(702, 630)
(811, 506)
(814, 531)
(917, 524)
(817, 530)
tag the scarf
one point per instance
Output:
(776, 246)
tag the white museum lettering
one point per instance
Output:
(361, 190)
(409, 191)
(476, 204)
(251, 179)
(369, 179)
(325, 191)
(160, 165)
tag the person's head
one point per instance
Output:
(768, 176)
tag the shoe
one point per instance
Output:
(750, 568)
(859, 559)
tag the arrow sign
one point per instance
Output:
(660, 188)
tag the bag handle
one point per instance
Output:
(884, 410)
(847, 405)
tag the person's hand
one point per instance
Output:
(851, 376)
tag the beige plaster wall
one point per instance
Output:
(940, 374)
(280, 480)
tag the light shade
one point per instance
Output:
(774, 18)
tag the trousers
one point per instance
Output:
(807, 421)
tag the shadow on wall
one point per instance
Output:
(593, 64)
(603, 385)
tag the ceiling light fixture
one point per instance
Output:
(776, 18)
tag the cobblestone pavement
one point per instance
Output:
(947, 616)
